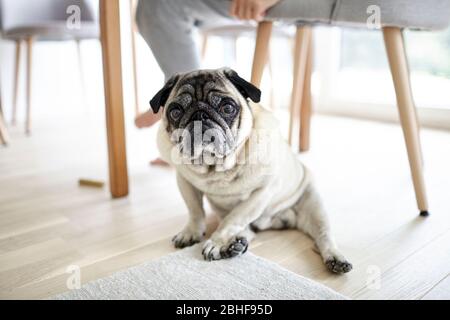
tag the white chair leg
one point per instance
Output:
(4, 137)
(204, 45)
(133, 6)
(272, 90)
(16, 81)
(29, 43)
(400, 74)
(81, 72)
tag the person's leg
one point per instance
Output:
(168, 28)
(168, 25)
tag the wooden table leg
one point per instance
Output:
(112, 77)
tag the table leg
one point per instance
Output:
(112, 77)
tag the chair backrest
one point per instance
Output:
(24, 13)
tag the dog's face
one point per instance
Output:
(206, 111)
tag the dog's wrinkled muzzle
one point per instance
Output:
(201, 130)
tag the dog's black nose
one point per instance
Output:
(200, 116)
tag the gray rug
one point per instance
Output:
(185, 275)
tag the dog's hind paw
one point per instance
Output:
(338, 266)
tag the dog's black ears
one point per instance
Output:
(247, 89)
(160, 99)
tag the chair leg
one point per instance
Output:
(272, 91)
(399, 68)
(302, 40)
(230, 45)
(306, 104)
(204, 46)
(29, 43)
(81, 72)
(417, 124)
(133, 6)
(4, 137)
(16, 82)
(261, 51)
(234, 44)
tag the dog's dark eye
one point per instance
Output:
(175, 112)
(227, 109)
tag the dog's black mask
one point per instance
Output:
(202, 103)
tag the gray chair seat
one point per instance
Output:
(245, 30)
(311, 11)
(411, 14)
(47, 19)
(415, 14)
(54, 31)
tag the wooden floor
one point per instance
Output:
(48, 222)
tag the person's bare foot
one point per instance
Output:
(147, 119)
(159, 162)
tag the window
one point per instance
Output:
(352, 76)
(364, 72)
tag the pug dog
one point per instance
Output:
(229, 150)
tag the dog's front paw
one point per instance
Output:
(216, 249)
(188, 237)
